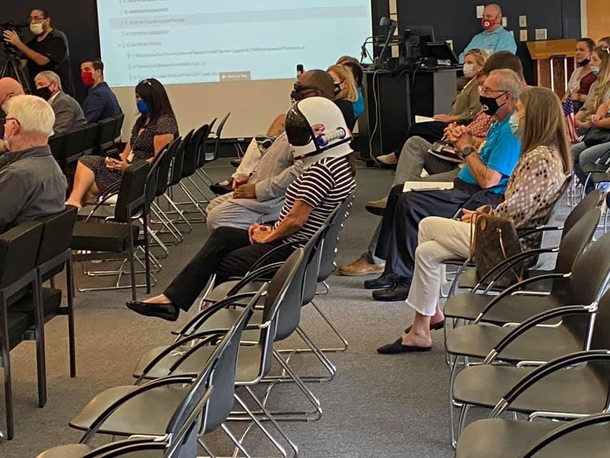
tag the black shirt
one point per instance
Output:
(55, 47)
(347, 108)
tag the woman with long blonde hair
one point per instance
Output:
(534, 187)
(345, 84)
(594, 115)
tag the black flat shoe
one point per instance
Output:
(385, 281)
(399, 292)
(220, 190)
(433, 327)
(169, 312)
(397, 347)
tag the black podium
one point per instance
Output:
(393, 98)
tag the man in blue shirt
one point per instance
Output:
(101, 103)
(494, 37)
(482, 181)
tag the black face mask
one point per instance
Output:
(491, 103)
(584, 63)
(337, 89)
(44, 93)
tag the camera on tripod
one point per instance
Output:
(10, 50)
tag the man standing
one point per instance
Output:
(28, 172)
(48, 50)
(494, 37)
(101, 103)
(68, 113)
(482, 181)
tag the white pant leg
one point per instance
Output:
(439, 239)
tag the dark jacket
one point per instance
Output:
(31, 185)
(68, 114)
(101, 103)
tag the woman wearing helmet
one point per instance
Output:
(318, 136)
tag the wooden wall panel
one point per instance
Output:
(598, 18)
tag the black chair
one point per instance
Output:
(91, 137)
(203, 148)
(18, 253)
(189, 166)
(105, 138)
(75, 142)
(158, 408)
(57, 144)
(103, 241)
(174, 180)
(118, 127)
(215, 139)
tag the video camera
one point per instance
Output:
(9, 50)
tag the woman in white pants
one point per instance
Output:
(535, 185)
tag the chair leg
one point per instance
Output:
(345, 343)
(237, 443)
(132, 265)
(41, 365)
(451, 405)
(71, 331)
(146, 251)
(260, 426)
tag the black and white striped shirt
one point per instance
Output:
(322, 186)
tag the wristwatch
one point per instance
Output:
(468, 150)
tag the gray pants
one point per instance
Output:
(222, 212)
(414, 159)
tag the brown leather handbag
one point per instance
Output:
(493, 241)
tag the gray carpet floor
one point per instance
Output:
(377, 406)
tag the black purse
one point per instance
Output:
(596, 136)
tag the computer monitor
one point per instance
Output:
(416, 39)
(441, 51)
(420, 31)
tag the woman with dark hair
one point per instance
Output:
(582, 78)
(153, 130)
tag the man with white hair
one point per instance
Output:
(494, 36)
(31, 183)
(69, 115)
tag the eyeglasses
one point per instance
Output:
(487, 91)
(35, 19)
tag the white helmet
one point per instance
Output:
(316, 129)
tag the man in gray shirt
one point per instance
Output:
(31, 183)
(69, 115)
(259, 188)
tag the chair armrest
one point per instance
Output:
(255, 275)
(525, 231)
(507, 292)
(206, 336)
(535, 320)
(261, 261)
(504, 267)
(544, 371)
(99, 421)
(565, 430)
(198, 319)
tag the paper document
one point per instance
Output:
(427, 186)
(419, 119)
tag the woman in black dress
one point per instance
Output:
(155, 128)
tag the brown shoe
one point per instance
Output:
(361, 266)
(376, 207)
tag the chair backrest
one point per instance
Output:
(176, 174)
(204, 143)
(74, 143)
(221, 366)
(57, 143)
(590, 201)
(601, 336)
(57, 233)
(132, 191)
(105, 134)
(590, 273)
(331, 240)
(153, 176)
(91, 136)
(165, 166)
(276, 292)
(289, 314)
(219, 134)
(118, 125)
(18, 251)
(191, 153)
(576, 240)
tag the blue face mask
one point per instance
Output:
(143, 107)
(514, 122)
(595, 70)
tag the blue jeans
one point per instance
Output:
(585, 156)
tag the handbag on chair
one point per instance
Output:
(596, 136)
(493, 241)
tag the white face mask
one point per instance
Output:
(37, 29)
(469, 70)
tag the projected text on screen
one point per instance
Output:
(205, 41)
